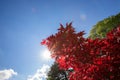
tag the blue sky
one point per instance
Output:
(24, 23)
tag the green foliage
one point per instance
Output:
(102, 27)
(53, 73)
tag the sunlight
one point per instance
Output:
(46, 54)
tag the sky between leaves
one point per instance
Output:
(24, 23)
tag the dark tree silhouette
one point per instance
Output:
(55, 72)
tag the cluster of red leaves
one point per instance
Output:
(97, 59)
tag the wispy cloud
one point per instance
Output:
(7, 74)
(40, 73)
(83, 17)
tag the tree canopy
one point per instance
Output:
(91, 59)
(102, 27)
(54, 72)
(98, 31)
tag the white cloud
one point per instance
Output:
(7, 74)
(83, 17)
(40, 73)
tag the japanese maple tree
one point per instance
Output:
(97, 59)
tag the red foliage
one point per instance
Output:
(97, 59)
